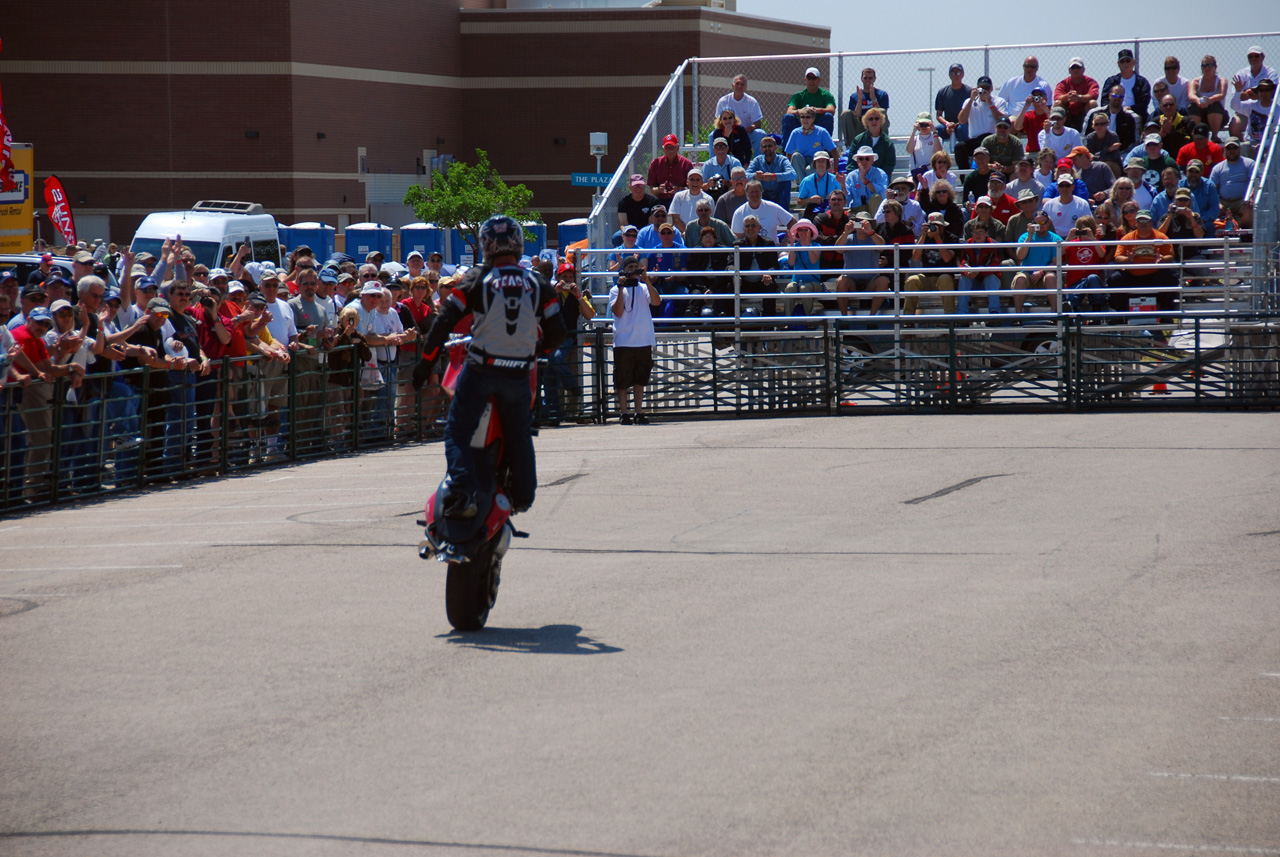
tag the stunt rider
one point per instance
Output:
(507, 303)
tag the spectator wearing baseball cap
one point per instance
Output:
(1203, 194)
(1097, 177)
(1136, 88)
(947, 105)
(980, 112)
(1201, 148)
(1057, 135)
(1076, 94)
(813, 95)
(634, 209)
(1231, 178)
(670, 171)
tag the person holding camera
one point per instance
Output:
(1037, 252)
(1081, 251)
(1182, 220)
(927, 254)
(857, 240)
(562, 386)
(631, 301)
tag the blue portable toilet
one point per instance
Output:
(282, 235)
(319, 237)
(539, 232)
(569, 231)
(364, 238)
(426, 238)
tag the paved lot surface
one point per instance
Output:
(724, 638)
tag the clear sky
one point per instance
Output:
(857, 26)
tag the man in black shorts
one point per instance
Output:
(634, 337)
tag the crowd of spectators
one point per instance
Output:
(183, 369)
(1029, 162)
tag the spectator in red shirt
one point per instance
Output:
(1079, 253)
(1003, 206)
(1077, 94)
(669, 173)
(1201, 148)
(36, 407)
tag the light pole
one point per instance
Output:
(929, 95)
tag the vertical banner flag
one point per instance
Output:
(7, 183)
(59, 209)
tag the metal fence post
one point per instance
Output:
(737, 296)
(224, 428)
(293, 409)
(55, 454)
(144, 424)
(696, 84)
(986, 60)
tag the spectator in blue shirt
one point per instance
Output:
(1231, 177)
(1037, 253)
(866, 183)
(716, 170)
(1203, 194)
(774, 172)
(648, 237)
(806, 141)
(865, 97)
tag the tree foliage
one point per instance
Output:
(467, 196)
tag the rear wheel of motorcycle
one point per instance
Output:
(470, 590)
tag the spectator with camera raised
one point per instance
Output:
(1203, 193)
(928, 255)
(1058, 136)
(717, 171)
(865, 184)
(1078, 279)
(1037, 254)
(634, 337)
(980, 255)
(858, 241)
(980, 113)
(942, 199)
(1182, 220)
(1032, 118)
(909, 210)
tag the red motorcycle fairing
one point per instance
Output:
(499, 512)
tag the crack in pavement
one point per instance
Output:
(965, 484)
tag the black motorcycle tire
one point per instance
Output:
(470, 590)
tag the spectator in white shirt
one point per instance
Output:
(774, 219)
(1016, 89)
(1066, 208)
(684, 205)
(746, 108)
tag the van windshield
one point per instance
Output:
(206, 252)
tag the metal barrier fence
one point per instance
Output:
(686, 105)
(123, 430)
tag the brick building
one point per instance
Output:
(326, 111)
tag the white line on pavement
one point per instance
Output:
(89, 568)
(216, 543)
(39, 595)
(10, 529)
(1272, 675)
(1177, 846)
(1235, 778)
(1253, 719)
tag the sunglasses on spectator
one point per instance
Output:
(178, 293)
(38, 299)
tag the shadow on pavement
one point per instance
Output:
(547, 640)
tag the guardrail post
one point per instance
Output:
(696, 114)
(830, 344)
(224, 428)
(293, 408)
(737, 297)
(897, 326)
(1196, 359)
(953, 382)
(55, 454)
(357, 369)
(144, 425)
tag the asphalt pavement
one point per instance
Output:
(994, 634)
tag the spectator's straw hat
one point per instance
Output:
(866, 152)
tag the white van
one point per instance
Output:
(214, 231)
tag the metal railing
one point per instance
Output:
(119, 431)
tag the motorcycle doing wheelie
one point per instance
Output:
(473, 548)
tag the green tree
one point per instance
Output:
(467, 196)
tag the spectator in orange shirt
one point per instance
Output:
(1151, 265)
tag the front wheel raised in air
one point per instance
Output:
(470, 590)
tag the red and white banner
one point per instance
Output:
(59, 209)
(6, 153)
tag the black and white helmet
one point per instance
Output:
(499, 236)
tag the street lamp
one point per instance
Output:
(929, 95)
